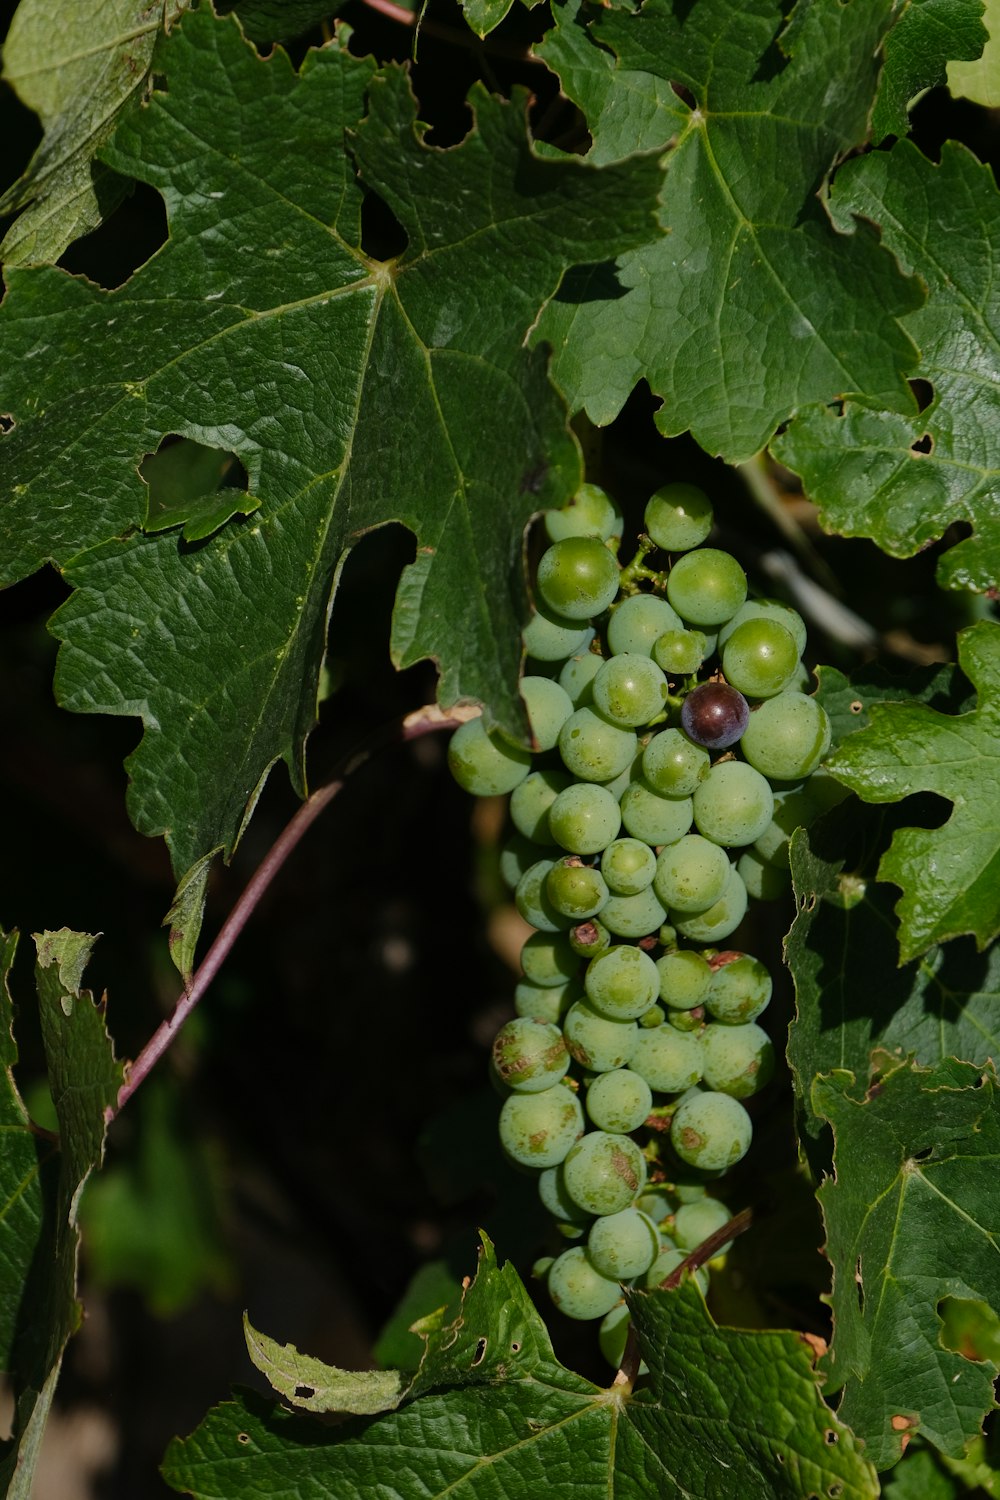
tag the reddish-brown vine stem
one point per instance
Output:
(422, 721)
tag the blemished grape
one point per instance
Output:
(767, 609)
(673, 765)
(603, 1173)
(529, 1056)
(550, 637)
(530, 803)
(624, 1244)
(578, 1289)
(548, 707)
(630, 690)
(537, 1130)
(591, 512)
(694, 1222)
(633, 916)
(787, 737)
(577, 678)
(637, 623)
(532, 900)
(718, 921)
(622, 983)
(709, 1131)
(594, 749)
(669, 1060)
(685, 979)
(486, 764)
(733, 805)
(576, 890)
(692, 874)
(619, 1101)
(548, 960)
(589, 939)
(628, 866)
(678, 517)
(740, 990)
(706, 587)
(578, 577)
(739, 1060)
(545, 1003)
(652, 818)
(760, 658)
(594, 1041)
(678, 653)
(715, 715)
(585, 818)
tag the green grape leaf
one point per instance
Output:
(354, 392)
(904, 479)
(928, 35)
(949, 876)
(24, 1156)
(508, 1420)
(187, 911)
(484, 15)
(980, 80)
(80, 68)
(911, 1221)
(848, 700)
(432, 1289)
(752, 305)
(266, 21)
(39, 1281)
(189, 487)
(310, 1384)
(922, 1477)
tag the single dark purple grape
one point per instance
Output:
(715, 715)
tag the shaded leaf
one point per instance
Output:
(186, 913)
(267, 21)
(928, 35)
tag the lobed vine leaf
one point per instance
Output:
(752, 305)
(980, 80)
(263, 328)
(903, 479)
(928, 35)
(910, 1223)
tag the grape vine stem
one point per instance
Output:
(426, 720)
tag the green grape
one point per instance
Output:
(486, 764)
(577, 678)
(545, 1003)
(733, 805)
(668, 1059)
(739, 1060)
(542, 1267)
(548, 707)
(593, 749)
(767, 609)
(706, 587)
(673, 765)
(624, 1244)
(633, 916)
(686, 1020)
(760, 658)
(578, 1289)
(657, 1203)
(692, 874)
(619, 1101)
(709, 1131)
(685, 979)
(612, 1336)
(787, 737)
(678, 517)
(548, 960)
(552, 1191)
(680, 652)
(532, 900)
(740, 990)
(690, 1192)
(637, 623)
(585, 818)
(589, 939)
(603, 1173)
(668, 1260)
(629, 690)
(549, 637)
(764, 882)
(530, 803)
(578, 577)
(590, 513)
(652, 818)
(537, 1130)
(654, 1016)
(529, 1056)
(594, 1041)
(622, 983)
(718, 921)
(516, 857)
(628, 866)
(575, 890)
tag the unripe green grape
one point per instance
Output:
(542, 1266)
(548, 707)
(733, 805)
(740, 990)
(686, 1020)
(594, 1041)
(569, 1229)
(654, 1016)
(529, 1056)
(673, 765)
(739, 1060)
(685, 979)
(545, 1003)
(628, 866)
(589, 939)
(550, 637)
(767, 609)
(530, 803)
(637, 623)
(706, 587)
(760, 658)
(629, 690)
(578, 577)
(669, 1060)
(516, 858)
(548, 960)
(532, 901)
(622, 983)
(619, 1101)
(537, 1130)
(652, 818)
(603, 1173)
(591, 512)
(577, 678)
(555, 1198)
(691, 874)
(678, 517)
(764, 882)
(486, 764)
(576, 890)
(585, 818)
(668, 1260)
(578, 1289)
(593, 749)
(718, 921)
(787, 737)
(624, 1244)
(709, 1131)
(678, 653)
(633, 916)
(657, 1203)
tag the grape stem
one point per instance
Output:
(426, 720)
(635, 571)
(629, 1370)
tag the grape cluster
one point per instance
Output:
(675, 752)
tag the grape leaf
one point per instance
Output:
(928, 35)
(484, 15)
(80, 68)
(911, 1220)
(354, 392)
(752, 305)
(500, 1417)
(903, 480)
(266, 21)
(39, 1268)
(980, 80)
(949, 876)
